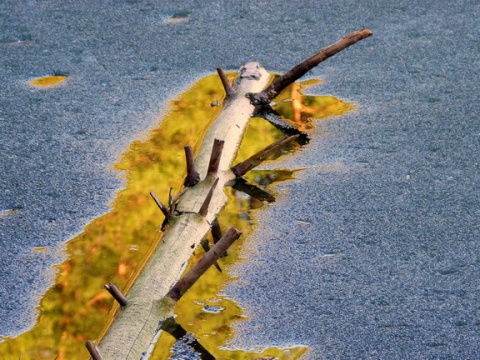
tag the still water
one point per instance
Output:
(113, 247)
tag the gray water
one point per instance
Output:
(371, 253)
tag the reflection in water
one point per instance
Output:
(48, 81)
(113, 247)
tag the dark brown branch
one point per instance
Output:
(268, 94)
(186, 282)
(116, 293)
(193, 177)
(206, 247)
(256, 159)
(229, 90)
(215, 157)
(93, 350)
(162, 207)
(204, 209)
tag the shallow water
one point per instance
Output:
(385, 244)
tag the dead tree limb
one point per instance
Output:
(186, 282)
(215, 157)
(116, 293)
(229, 90)
(256, 159)
(193, 177)
(204, 209)
(134, 330)
(268, 94)
(93, 351)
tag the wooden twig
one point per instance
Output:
(186, 282)
(174, 201)
(116, 293)
(215, 157)
(93, 350)
(256, 159)
(193, 177)
(206, 247)
(268, 94)
(161, 205)
(204, 209)
(229, 90)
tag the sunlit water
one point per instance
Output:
(114, 247)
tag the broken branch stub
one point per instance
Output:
(134, 328)
(116, 293)
(193, 177)
(229, 90)
(93, 351)
(204, 209)
(268, 94)
(186, 282)
(215, 157)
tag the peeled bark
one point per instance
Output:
(134, 329)
(134, 332)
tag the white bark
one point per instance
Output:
(135, 327)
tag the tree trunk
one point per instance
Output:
(134, 332)
(135, 327)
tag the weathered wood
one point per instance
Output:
(206, 248)
(215, 157)
(268, 94)
(193, 177)
(256, 159)
(93, 351)
(206, 203)
(229, 90)
(186, 282)
(160, 205)
(134, 329)
(116, 293)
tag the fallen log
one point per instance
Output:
(190, 215)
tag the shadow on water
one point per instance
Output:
(114, 247)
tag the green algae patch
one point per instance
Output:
(115, 246)
(47, 81)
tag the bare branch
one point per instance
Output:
(215, 157)
(193, 177)
(186, 282)
(268, 94)
(161, 205)
(229, 90)
(116, 293)
(204, 209)
(256, 159)
(93, 350)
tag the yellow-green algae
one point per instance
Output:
(114, 247)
